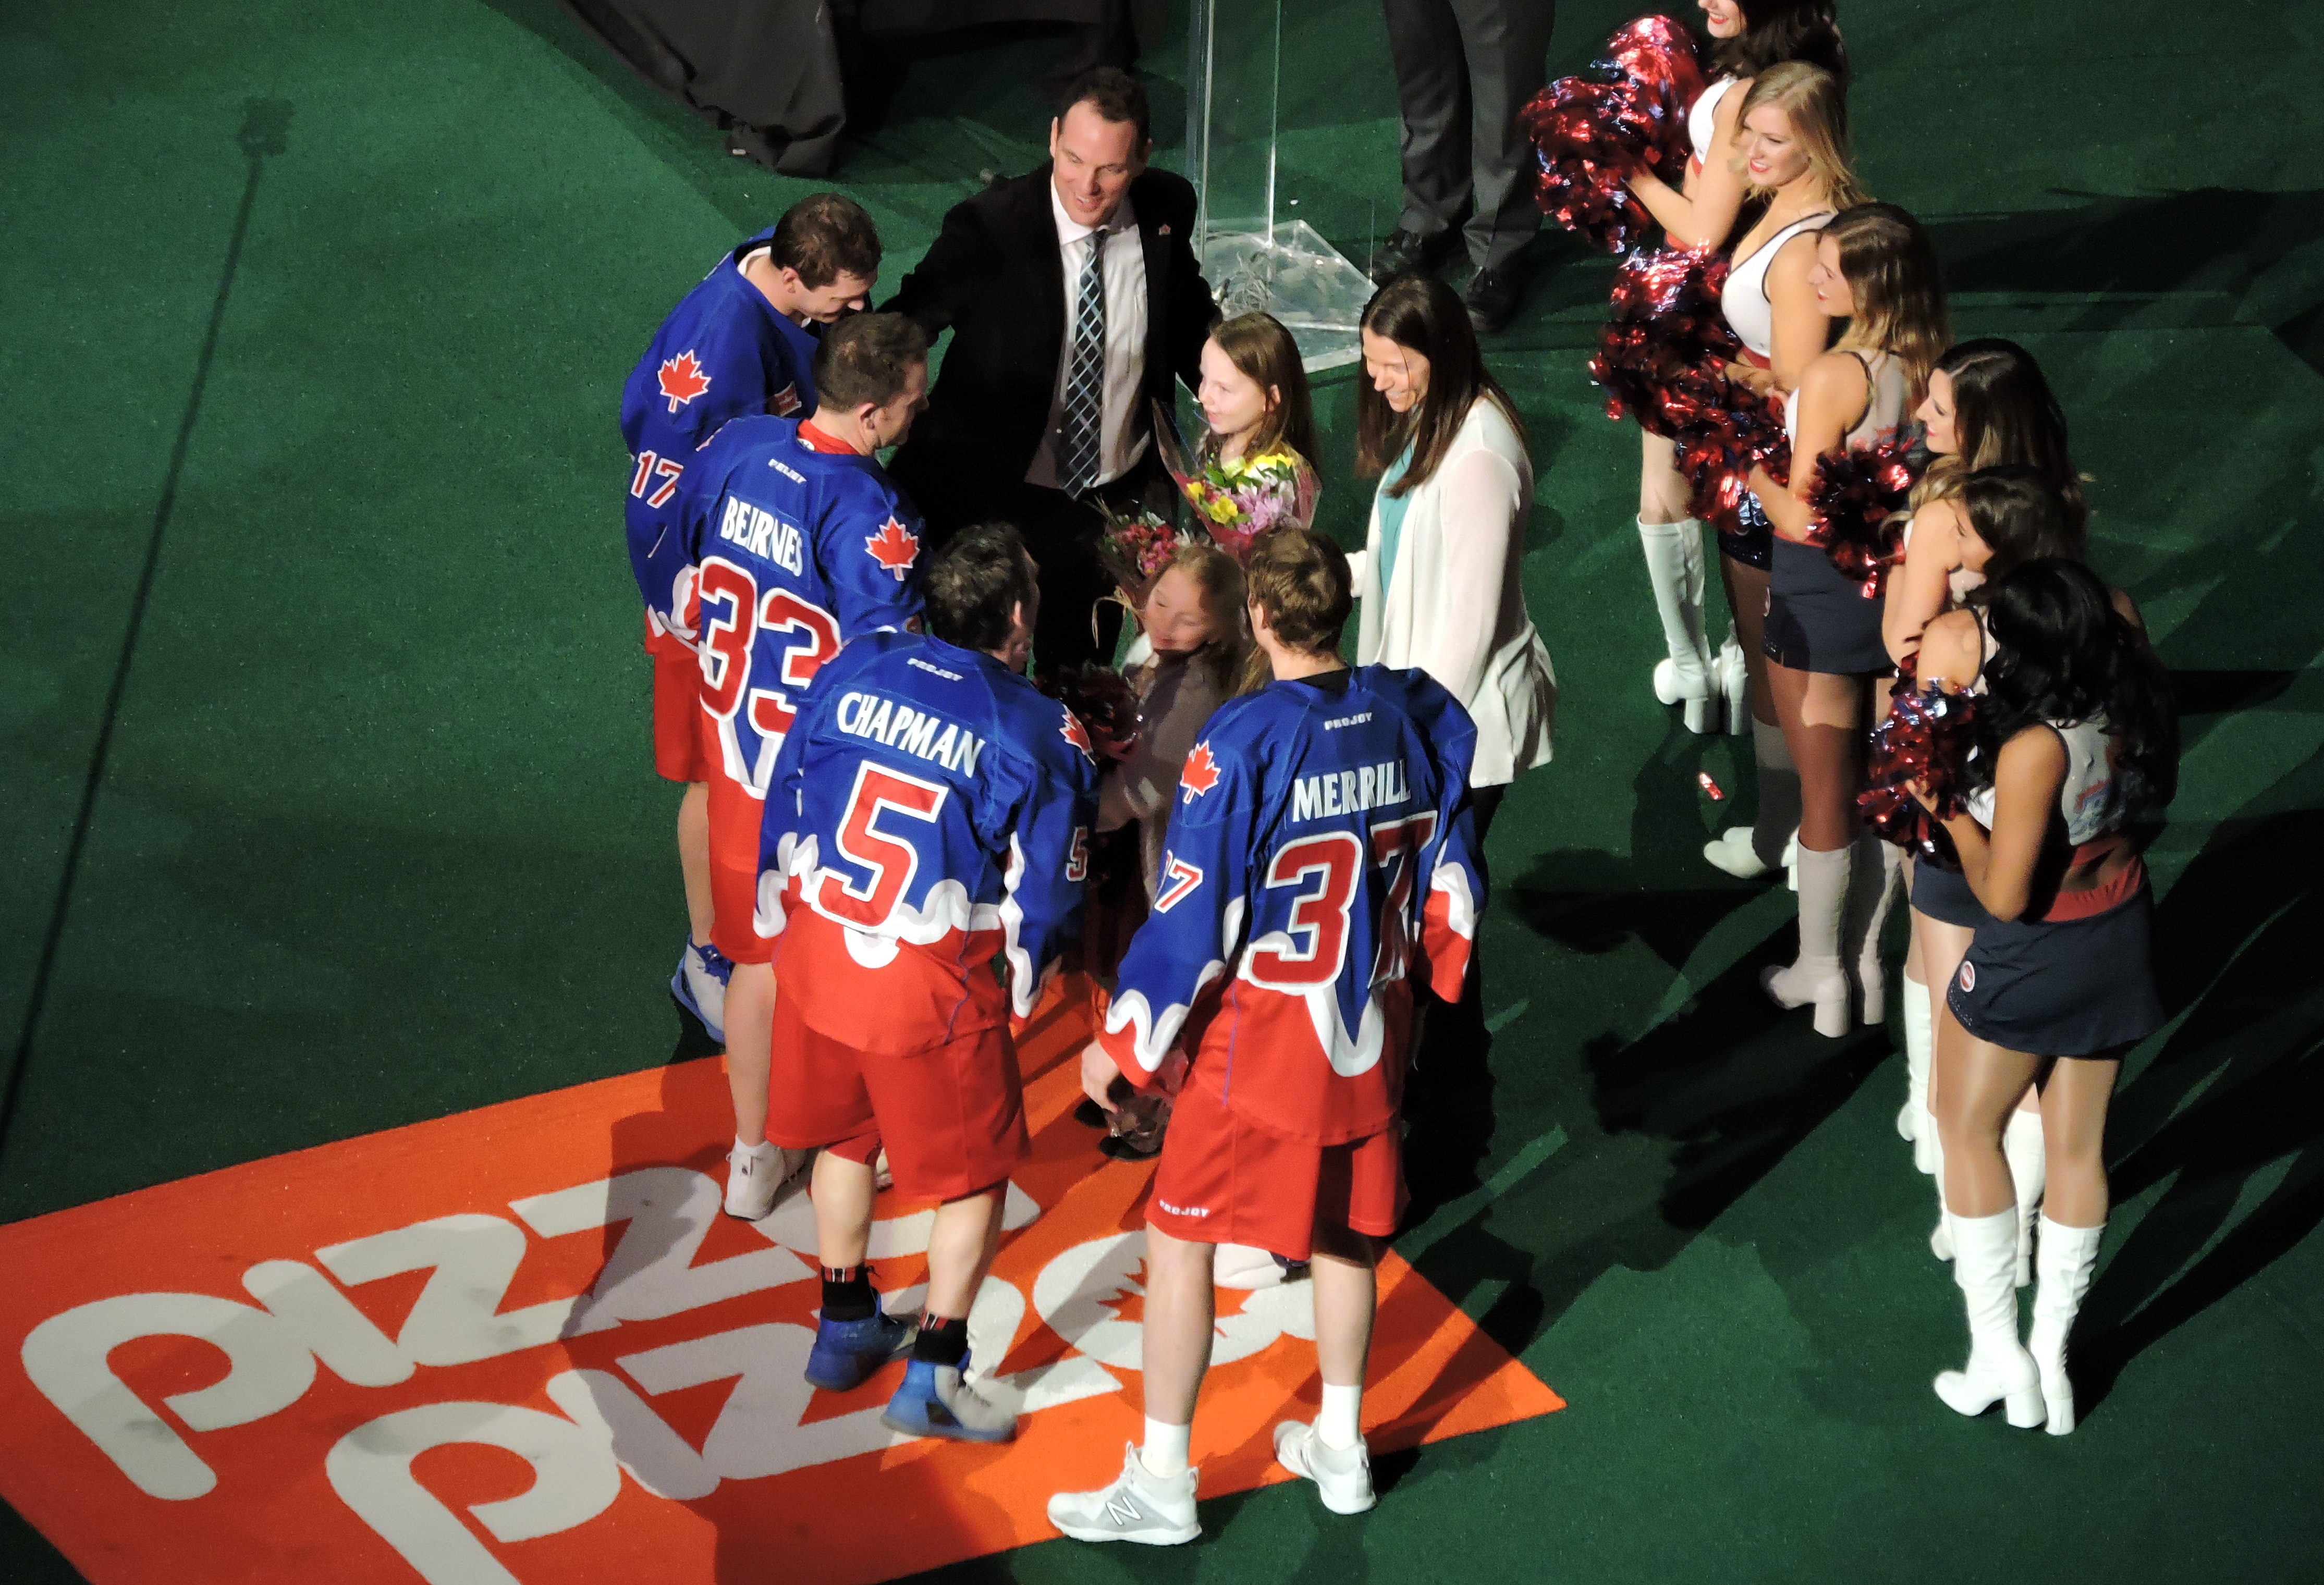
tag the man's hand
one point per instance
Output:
(1100, 1073)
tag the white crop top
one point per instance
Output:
(2088, 797)
(1703, 118)
(1744, 299)
(1884, 405)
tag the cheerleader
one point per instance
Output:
(1698, 217)
(1987, 408)
(2076, 746)
(1792, 147)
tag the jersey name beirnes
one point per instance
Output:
(749, 527)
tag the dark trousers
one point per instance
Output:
(1463, 70)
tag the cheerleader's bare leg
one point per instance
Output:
(1983, 1083)
(2074, 1101)
(1823, 717)
(1760, 848)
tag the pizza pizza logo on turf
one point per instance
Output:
(534, 1351)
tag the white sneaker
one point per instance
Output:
(754, 1182)
(1344, 1475)
(1141, 1506)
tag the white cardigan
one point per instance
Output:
(1456, 602)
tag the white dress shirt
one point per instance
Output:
(1123, 434)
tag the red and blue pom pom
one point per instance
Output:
(1852, 507)
(1926, 737)
(1666, 322)
(1627, 113)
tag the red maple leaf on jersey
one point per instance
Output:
(682, 379)
(894, 547)
(1078, 735)
(1201, 774)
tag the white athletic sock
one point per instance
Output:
(763, 1151)
(1164, 1453)
(1342, 1423)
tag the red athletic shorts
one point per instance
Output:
(736, 818)
(952, 1115)
(1222, 1181)
(681, 752)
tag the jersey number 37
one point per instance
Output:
(1313, 950)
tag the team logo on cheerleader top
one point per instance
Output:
(894, 547)
(682, 379)
(1201, 774)
(1968, 976)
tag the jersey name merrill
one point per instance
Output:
(1322, 849)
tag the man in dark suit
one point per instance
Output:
(1073, 300)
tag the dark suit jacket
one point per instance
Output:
(994, 278)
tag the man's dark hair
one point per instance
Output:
(974, 582)
(826, 236)
(1115, 96)
(867, 357)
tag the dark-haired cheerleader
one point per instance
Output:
(1987, 408)
(2077, 747)
(1874, 267)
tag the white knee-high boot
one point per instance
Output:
(1872, 891)
(1816, 976)
(1734, 683)
(2029, 1169)
(1675, 565)
(1913, 1113)
(1749, 851)
(1999, 1369)
(2067, 1256)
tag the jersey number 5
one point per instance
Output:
(888, 858)
(1321, 913)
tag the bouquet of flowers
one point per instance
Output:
(1134, 550)
(1234, 502)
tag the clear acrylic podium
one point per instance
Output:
(1254, 256)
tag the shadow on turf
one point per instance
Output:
(2236, 1089)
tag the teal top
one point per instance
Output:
(1391, 510)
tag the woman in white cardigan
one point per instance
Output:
(1438, 578)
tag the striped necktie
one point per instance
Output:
(1084, 415)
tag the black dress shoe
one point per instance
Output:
(1492, 298)
(1405, 252)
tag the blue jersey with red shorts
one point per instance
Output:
(791, 546)
(1322, 851)
(724, 352)
(931, 810)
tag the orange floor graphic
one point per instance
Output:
(522, 1345)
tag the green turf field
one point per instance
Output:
(326, 306)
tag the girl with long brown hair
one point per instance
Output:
(1875, 268)
(1439, 578)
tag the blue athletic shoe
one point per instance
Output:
(934, 1401)
(847, 1352)
(699, 987)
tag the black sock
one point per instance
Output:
(847, 1295)
(942, 1341)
